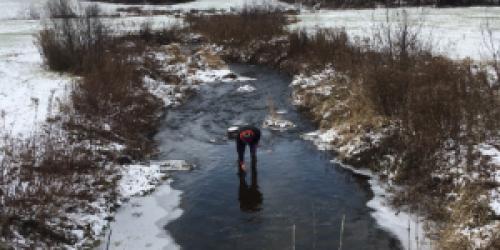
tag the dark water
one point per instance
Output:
(296, 186)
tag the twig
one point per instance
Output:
(109, 238)
(341, 231)
(314, 226)
(409, 234)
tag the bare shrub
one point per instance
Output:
(253, 22)
(323, 47)
(492, 45)
(172, 32)
(73, 43)
(61, 9)
(440, 107)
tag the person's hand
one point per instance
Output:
(242, 167)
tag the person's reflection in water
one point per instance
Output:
(249, 196)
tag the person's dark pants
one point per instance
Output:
(240, 147)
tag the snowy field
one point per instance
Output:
(457, 32)
(26, 87)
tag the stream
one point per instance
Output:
(295, 199)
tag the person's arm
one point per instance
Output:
(257, 135)
(240, 148)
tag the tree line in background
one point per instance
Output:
(373, 3)
(342, 3)
(143, 1)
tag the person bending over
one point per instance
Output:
(247, 135)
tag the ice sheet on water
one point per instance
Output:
(139, 224)
(172, 165)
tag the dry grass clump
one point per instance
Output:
(172, 33)
(470, 210)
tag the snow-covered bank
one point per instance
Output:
(493, 154)
(474, 187)
(310, 91)
(139, 223)
(191, 69)
(407, 227)
(135, 182)
(28, 92)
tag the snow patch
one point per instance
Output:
(399, 223)
(277, 123)
(139, 224)
(246, 89)
(139, 179)
(494, 155)
(323, 139)
(142, 179)
(407, 227)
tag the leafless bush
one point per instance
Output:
(434, 99)
(253, 22)
(492, 45)
(323, 47)
(73, 43)
(400, 37)
(172, 32)
(62, 8)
